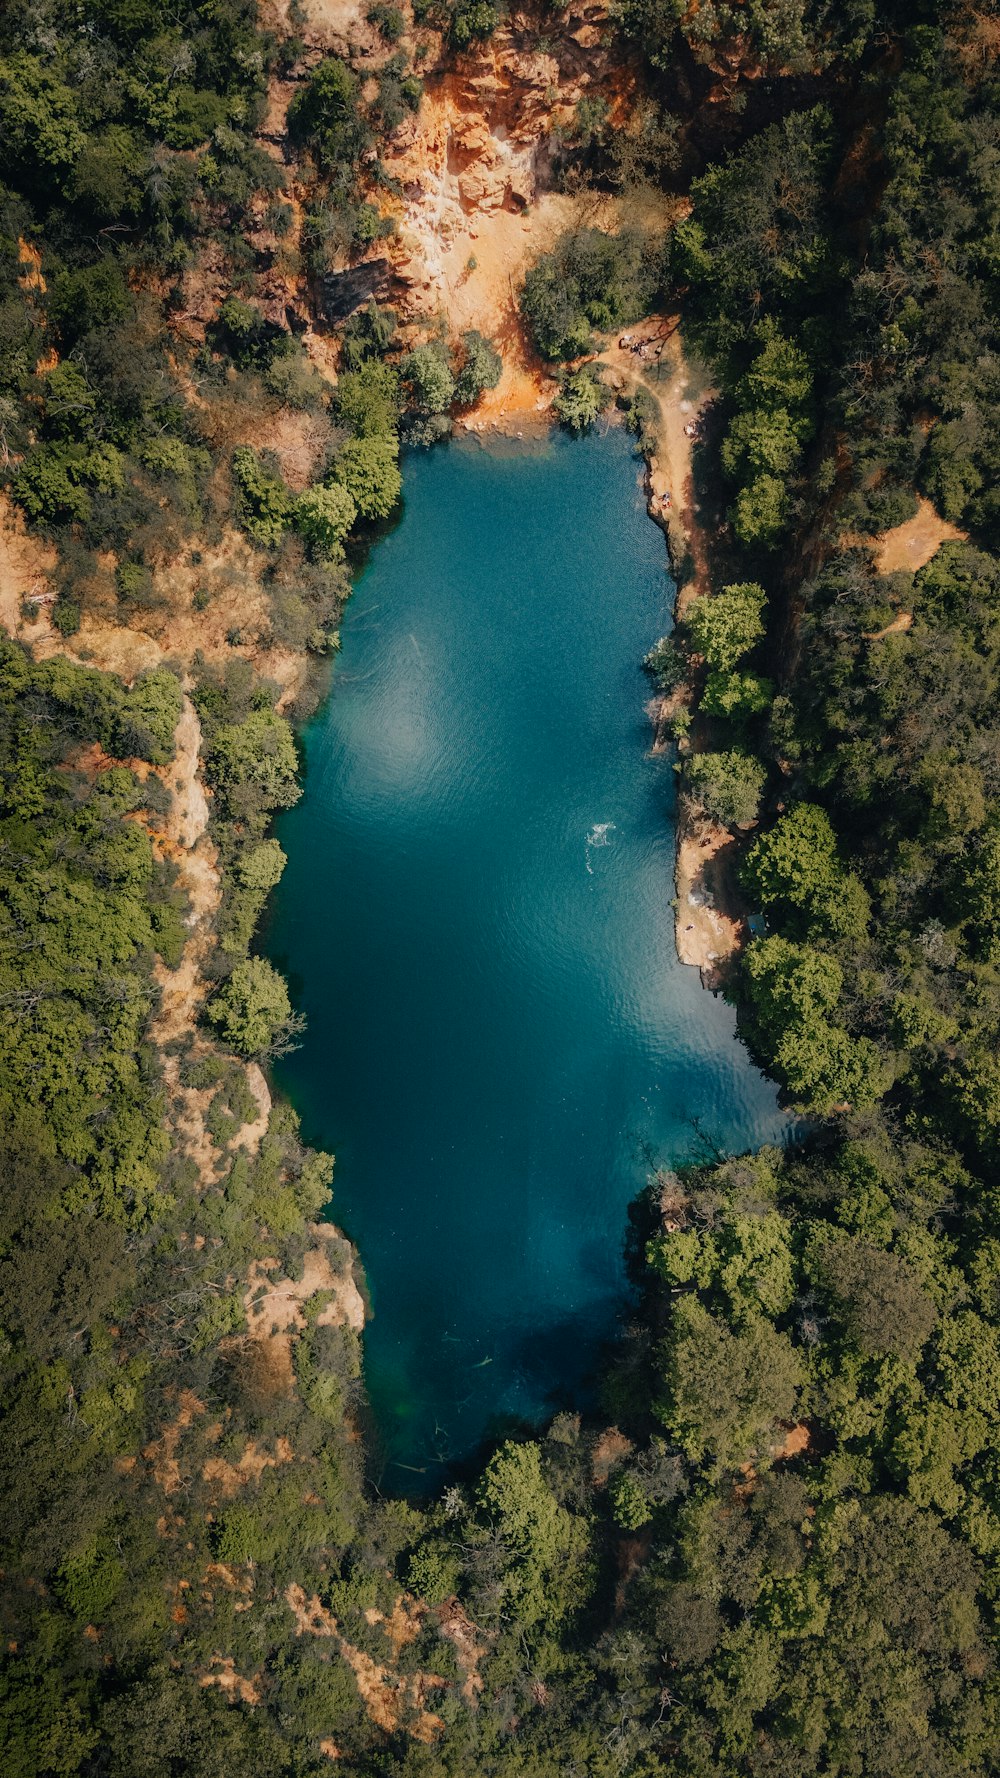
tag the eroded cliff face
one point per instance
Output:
(477, 167)
(488, 131)
(473, 189)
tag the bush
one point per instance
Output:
(666, 663)
(368, 334)
(388, 21)
(134, 583)
(66, 616)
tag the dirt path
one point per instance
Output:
(182, 990)
(188, 846)
(653, 358)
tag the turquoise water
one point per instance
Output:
(476, 919)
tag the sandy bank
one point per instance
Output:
(709, 924)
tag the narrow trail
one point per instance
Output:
(183, 990)
(187, 845)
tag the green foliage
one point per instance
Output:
(794, 993)
(368, 400)
(582, 398)
(56, 483)
(589, 280)
(84, 883)
(261, 866)
(150, 714)
(736, 695)
(726, 625)
(91, 1581)
(481, 369)
(666, 663)
(727, 785)
(472, 19)
(253, 764)
(323, 516)
(787, 1598)
(388, 21)
(793, 869)
(629, 1503)
(243, 334)
(879, 1298)
(368, 468)
(725, 1389)
(980, 896)
(327, 116)
(39, 121)
(252, 1011)
(545, 1574)
(427, 379)
(264, 502)
(368, 334)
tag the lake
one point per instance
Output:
(476, 919)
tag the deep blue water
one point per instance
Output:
(476, 919)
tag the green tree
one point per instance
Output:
(761, 510)
(794, 992)
(794, 869)
(40, 130)
(724, 626)
(326, 114)
(877, 1296)
(264, 502)
(367, 400)
(582, 398)
(323, 516)
(369, 469)
(727, 785)
(980, 895)
(482, 367)
(253, 764)
(736, 695)
(725, 1390)
(546, 1573)
(252, 1011)
(629, 1503)
(427, 379)
(260, 866)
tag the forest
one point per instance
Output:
(775, 1550)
